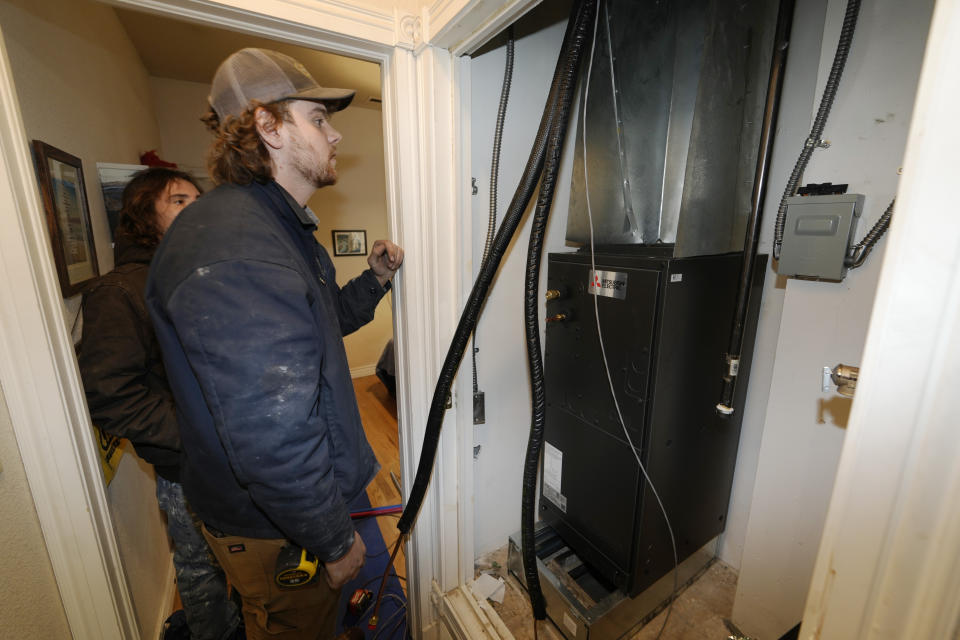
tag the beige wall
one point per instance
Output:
(358, 201)
(179, 106)
(30, 607)
(83, 89)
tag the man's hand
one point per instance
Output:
(340, 572)
(385, 258)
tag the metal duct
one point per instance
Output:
(691, 80)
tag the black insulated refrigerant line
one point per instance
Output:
(781, 44)
(564, 74)
(531, 300)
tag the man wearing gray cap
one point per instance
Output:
(251, 321)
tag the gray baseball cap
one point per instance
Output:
(267, 76)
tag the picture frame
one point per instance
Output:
(113, 179)
(64, 194)
(349, 242)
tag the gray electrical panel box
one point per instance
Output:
(817, 234)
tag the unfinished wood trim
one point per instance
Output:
(466, 618)
(889, 559)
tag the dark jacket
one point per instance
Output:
(251, 322)
(121, 367)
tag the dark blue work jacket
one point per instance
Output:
(251, 321)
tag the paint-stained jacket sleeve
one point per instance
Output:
(249, 329)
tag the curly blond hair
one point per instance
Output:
(238, 155)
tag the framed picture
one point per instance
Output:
(113, 179)
(68, 217)
(349, 243)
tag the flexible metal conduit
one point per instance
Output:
(495, 174)
(826, 102)
(751, 239)
(865, 246)
(569, 57)
(497, 139)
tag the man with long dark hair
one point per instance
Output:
(128, 394)
(251, 322)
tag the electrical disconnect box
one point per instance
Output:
(817, 235)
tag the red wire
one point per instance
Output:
(376, 511)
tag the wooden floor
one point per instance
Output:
(378, 411)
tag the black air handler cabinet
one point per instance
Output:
(664, 341)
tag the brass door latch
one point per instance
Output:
(844, 377)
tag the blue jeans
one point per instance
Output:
(211, 615)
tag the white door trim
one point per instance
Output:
(464, 383)
(41, 384)
(889, 560)
(462, 25)
(331, 25)
(418, 99)
(39, 373)
(425, 136)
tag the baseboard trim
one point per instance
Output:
(365, 370)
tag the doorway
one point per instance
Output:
(69, 551)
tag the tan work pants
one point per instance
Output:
(269, 612)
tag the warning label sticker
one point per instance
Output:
(552, 473)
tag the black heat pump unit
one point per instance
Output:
(679, 108)
(664, 325)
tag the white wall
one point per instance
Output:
(357, 201)
(793, 126)
(83, 89)
(501, 360)
(792, 432)
(823, 324)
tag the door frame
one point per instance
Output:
(422, 119)
(889, 559)
(869, 555)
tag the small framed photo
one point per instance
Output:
(349, 243)
(68, 217)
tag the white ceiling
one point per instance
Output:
(187, 51)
